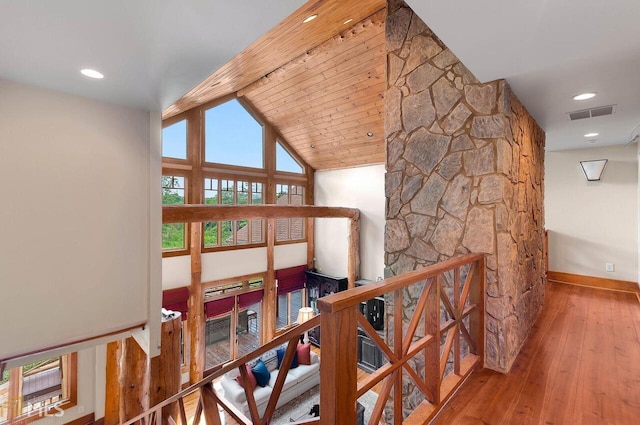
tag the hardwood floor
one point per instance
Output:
(580, 365)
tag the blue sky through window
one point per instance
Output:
(233, 136)
(174, 140)
(285, 162)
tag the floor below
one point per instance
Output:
(580, 365)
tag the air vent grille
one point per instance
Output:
(600, 111)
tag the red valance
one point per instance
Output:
(290, 279)
(250, 298)
(218, 307)
(176, 300)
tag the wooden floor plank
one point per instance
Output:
(580, 365)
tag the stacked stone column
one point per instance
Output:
(465, 166)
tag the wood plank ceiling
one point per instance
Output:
(320, 84)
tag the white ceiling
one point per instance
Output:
(153, 51)
(150, 51)
(548, 51)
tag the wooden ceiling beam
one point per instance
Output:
(205, 213)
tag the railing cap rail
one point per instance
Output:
(346, 299)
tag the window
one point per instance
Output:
(286, 162)
(288, 229)
(173, 193)
(288, 306)
(291, 294)
(40, 389)
(233, 136)
(239, 305)
(174, 140)
(237, 232)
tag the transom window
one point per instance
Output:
(174, 140)
(285, 161)
(233, 232)
(233, 136)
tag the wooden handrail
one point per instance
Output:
(340, 320)
(203, 213)
(290, 335)
(463, 305)
(342, 300)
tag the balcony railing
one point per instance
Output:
(434, 340)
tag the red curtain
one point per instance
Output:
(291, 279)
(176, 300)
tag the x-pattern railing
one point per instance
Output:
(450, 312)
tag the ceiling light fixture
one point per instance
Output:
(584, 96)
(309, 18)
(91, 73)
(370, 134)
(591, 134)
(347, 21)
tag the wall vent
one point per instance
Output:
(599, 111)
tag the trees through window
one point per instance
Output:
(236, 232)
(173, 193)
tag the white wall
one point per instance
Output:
(593, 223)
(176, 271)
(75, 251)
(361, 188)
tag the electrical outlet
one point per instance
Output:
(610, 267)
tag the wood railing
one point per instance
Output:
(436, 344)
(209, 404)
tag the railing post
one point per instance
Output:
(476, 321)
(338, 372)
(432, 351)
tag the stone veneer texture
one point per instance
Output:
(465, 165)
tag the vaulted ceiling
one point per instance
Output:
(152, 53)
(320, 84)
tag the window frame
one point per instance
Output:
(241, 285)
(186, 250)
(70, 385)
(236, 178)
(194, 167)
(203, 141)
(303, 303)
(293, 155)
(305, 188)
(168, 123)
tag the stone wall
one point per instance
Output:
(465, 166)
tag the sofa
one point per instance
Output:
(298, 380)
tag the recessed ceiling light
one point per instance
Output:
(370, 134)
(91, 73)
(347, 21)
(312, 146)
(309, 18)
(591, 134)
(584, 96)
